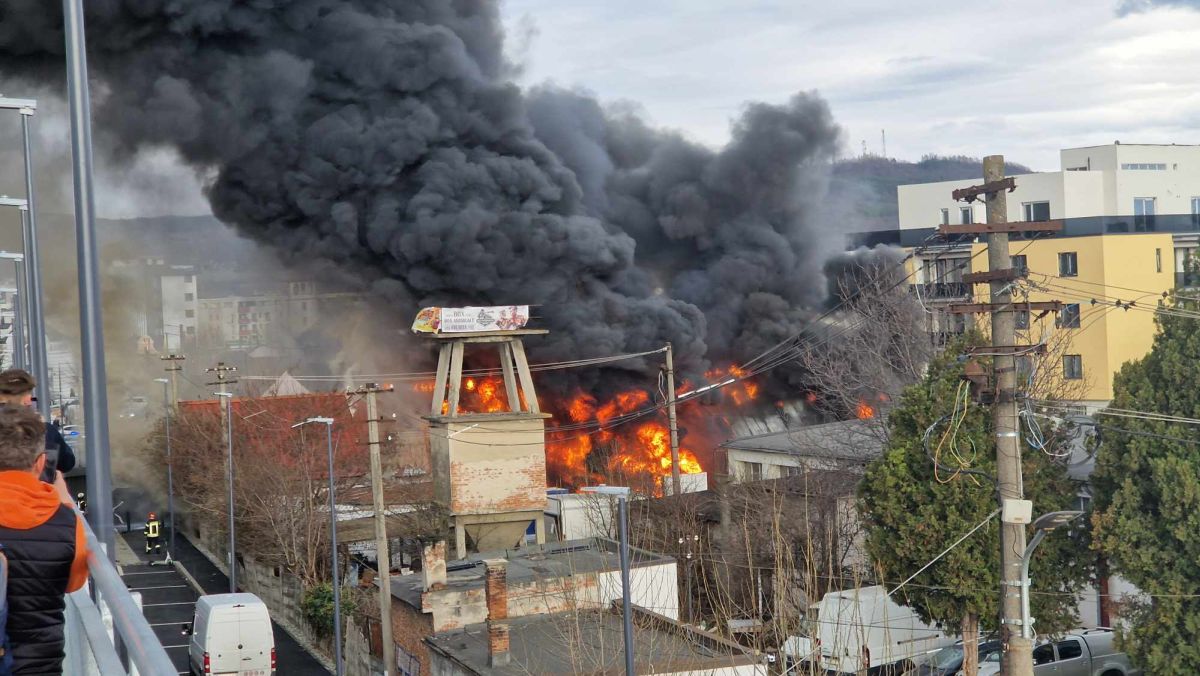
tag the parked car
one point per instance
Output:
(1086, 653)
(231, 634)
(949, 660)
(863, 630)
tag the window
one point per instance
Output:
(945, 217)
(1069, 650)
(189, 313)
(753, 471)
(1024, 367)
(1068, 264)
(1022, 319)
(789, 470)
(1158, 260)
(1037, 211)
(1144, 166)
(965, 213)
(1043, 654)
(1072, 366)
(189, 296)
(1021, 264)
(1143, 213)
(1068, 317)
(1196, 211)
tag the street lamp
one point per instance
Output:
(337, 596)
(170, 476)
(228, 397)
(18, 351)
(1041, 527)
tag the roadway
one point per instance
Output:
(169, 600)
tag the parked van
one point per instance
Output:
(231, 635)
(863, 630)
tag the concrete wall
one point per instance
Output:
(446, 667)
(493, 464)
(356, 652)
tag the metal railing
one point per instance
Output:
(91, 648)
(942, 290)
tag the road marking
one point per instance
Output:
(163, 624)
(171, 647)
(165, 586)
(149, 572)
(178, 603)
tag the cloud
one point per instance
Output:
(1135, 6)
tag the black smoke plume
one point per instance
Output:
(386, 136)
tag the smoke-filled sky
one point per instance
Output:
(388, 137)
(1056, 74)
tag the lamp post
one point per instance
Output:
(170, 469)
(337, 595)
(228, 397)
(1041, 527)
(18, 350)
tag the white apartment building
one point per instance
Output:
(1110, 189)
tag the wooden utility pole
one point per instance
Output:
(174, 366)
(382, 553)
(223, 381)
(1017, 650)
(1018, 653)
(672, 421)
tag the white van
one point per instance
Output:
(231, 635)
(861, 630)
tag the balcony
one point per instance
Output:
(942, 290)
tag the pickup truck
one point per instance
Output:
(1087, 653)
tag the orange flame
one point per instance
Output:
(864, 411)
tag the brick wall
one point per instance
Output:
(409, 629)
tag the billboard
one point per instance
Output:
(471, 319)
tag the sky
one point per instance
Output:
(1022, 78)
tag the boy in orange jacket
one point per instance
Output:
(44, 541)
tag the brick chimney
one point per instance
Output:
(433, 565)
(495, 586)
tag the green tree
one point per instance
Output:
(911, 513)
(1147, 498)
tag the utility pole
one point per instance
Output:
(626, 597)
(1017, 648)
(223, 380)
(673, 423)
(382, 552)
(174, 366)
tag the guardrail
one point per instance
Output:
(89, 635)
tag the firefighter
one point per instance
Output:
(153, 532)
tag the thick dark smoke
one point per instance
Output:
(385, 136)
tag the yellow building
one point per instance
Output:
(1095, 277)
(1131, 220)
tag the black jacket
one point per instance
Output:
(59, 454)
(46, 548)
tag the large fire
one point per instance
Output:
(622, 439)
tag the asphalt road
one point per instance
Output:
(169, 601)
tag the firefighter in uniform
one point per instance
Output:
(153, 534)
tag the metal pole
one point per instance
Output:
(229, 476)
(95, 401)
(675, 483)
(381, 537)
(1018, 651)
(170, 472)
(337, 594)
(1026, 616)
(18, 331)
(38, 344)
(626, 607)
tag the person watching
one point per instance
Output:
(16, 389)
(44, 541)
